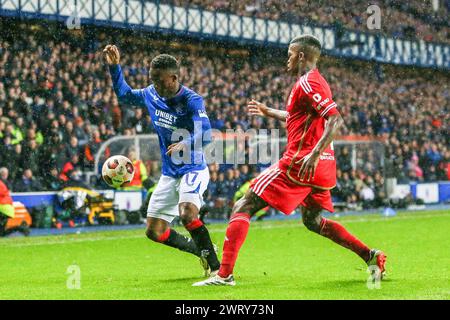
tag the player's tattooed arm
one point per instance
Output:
(256, 108)
(334, 122)
(311, 160)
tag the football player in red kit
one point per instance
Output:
(306, 173)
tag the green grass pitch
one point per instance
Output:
(280, 260)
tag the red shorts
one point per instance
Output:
(274, 187)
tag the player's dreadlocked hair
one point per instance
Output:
(308, 42)
(166, 62)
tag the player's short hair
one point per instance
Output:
(165, 62)
(308, 41)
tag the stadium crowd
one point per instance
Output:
(57, 106)
(401, 19)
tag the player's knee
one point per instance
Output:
(242, 205)
(188, 213)
(312, 223)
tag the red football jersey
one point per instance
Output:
(309, 105)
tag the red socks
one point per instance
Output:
(235, 236)
(194, 225)
(163, 238)
(238, 228)
(336, 232)
(190, 227)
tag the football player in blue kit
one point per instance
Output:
(174, 109)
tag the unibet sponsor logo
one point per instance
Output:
(165, 115)
(165, 119)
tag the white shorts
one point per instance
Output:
(171, 191)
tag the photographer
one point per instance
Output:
(7, 209)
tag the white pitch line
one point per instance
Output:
(296, 224)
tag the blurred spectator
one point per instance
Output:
(91, 149)
(69, 166)
(27, 183)
(51, 180)
(445, 167)
(51, 154)
(230, 185)
(431, 174)
(105, 132)
(72, 148)
(212, 187)
(16, 161)
(81, 135)
(367, 196)
(140, 171)
(139, 122)
(345, 162)
(75, 179)
(222, 190)
(31, 154)
(433, 155)
(68, 132)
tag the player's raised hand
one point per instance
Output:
(111, 54)
(256, 108)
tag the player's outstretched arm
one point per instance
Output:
(256, 108)
(123, 91)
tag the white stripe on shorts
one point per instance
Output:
(266, 177)
(267, 183)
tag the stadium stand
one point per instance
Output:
(56, 103)
(401, 19)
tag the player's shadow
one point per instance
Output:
(348, 283)
(176, 280)
(334, 284)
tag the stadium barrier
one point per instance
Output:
(168, 19)
(124, 200)
(430, 193)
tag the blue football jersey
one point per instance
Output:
(179, 118)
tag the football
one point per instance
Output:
(117, 171)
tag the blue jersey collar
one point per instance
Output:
(179, 93)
